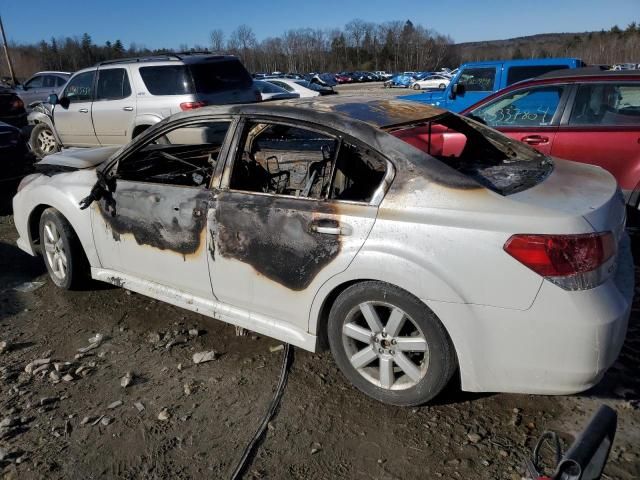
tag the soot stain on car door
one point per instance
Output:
(160, 216)
(275, 237)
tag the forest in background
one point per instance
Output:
(392, 46)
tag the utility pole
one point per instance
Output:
(6, 53)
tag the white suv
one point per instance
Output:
(114, 101)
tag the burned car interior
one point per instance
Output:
(285, 160)
(186, 156)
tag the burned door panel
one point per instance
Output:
(155, 232)
(276, 237)
(270, 254)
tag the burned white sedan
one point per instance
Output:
(413, 242)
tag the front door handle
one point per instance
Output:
(535, 140)
(84, 110)
(127, 109)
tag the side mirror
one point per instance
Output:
(64, 102)
(53, 99)
(456, 89)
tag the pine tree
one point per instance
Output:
(118, 49)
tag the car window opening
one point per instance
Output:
(284, 160)
(496, 162)
(186, 156)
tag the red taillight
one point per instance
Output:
(562, 255)
(192, 105)
(17, 104)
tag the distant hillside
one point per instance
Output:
(610, 46)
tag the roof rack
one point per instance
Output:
(159, 57)
(151, 58)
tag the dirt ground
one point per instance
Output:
(178, 420)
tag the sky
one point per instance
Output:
(169, 24)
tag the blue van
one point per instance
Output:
(477, 80)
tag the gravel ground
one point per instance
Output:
(179, 420)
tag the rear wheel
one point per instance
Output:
(416, 86)
(389, 344)
(442, 86)
(62, 251)
(43, 142)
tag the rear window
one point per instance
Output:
(203, 78)
(493, 160)
(517, 74)
(167, 80)
(212, 77)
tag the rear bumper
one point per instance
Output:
(563, 344)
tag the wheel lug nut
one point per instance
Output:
(392, 352)
(384, 334)
(393, 342)
(381, 350)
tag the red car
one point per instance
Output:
(586, 115)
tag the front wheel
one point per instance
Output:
(389, 344)
(416, 86)
(43, 141)
(442, 86)
(62, 251)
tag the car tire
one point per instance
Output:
(442, 86)
(43, 141)
(62, 251)
(416, 86)
(406, 359)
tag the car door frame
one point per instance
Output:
(552, 128)
(631, 191)
(85, 108)
(200, 195)
(125, 107)
(303, 295)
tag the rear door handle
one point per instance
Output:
(331, 228)
(535, 140)
(84, 110)
(127, 109)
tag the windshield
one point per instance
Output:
(493, 160)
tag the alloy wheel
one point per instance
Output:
(54, 250)
(385, 345)
(46, 141)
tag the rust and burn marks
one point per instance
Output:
(275, 236)
(160, 216)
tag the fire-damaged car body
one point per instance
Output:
(413, 241)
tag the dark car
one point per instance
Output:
(13, 152)
(586, 115)
(12, 109)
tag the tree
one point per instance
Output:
(356, 29)
(118, 49)
(217, 40)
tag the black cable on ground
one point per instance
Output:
(249, 450)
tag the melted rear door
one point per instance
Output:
(296, 206)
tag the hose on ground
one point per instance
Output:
(247, 454)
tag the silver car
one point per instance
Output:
(116, 100)
(413, 241)
(41, 85)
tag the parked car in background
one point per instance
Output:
(477, 80)
(401, 81)
(307, 219)
(116, 100)
(271, 91)
(343, 78)
(295, 86)
(317, 87)
(586, 115)
(12, 108)
(13, 153)
(41, 85)
(430, 82)
(383, 75)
